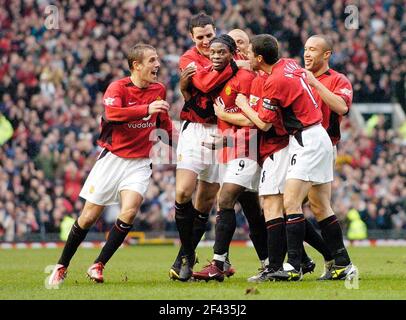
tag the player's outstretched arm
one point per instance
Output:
(206, 79)
(242, 102)
(237, 119)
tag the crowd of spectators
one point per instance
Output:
(52, 77)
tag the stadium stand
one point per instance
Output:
(52, 81)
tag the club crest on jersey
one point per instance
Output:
(267, 104)
(253, 100)
(227, 90)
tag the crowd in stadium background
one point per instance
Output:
(52, 82)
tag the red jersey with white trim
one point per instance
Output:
(338, 84)
(241, 136)
(200, 107)
(126, 125)
(276, 138)
(287, 95)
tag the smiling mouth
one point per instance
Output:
(155, 73)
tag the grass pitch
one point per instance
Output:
(142, 273)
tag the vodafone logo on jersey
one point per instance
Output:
(143, 125)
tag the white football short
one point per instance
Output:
(243, 172)
(112, 174)
(311, 156)
(191, 155)
(273, 174)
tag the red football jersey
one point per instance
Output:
(241, 136)
(126, 125)
(276, 138)
(338, 84)
(287, 95)
(200, 107)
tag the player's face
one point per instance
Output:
(253, 59)
(220, 55)
(201, 36)
(242, 43)
(315, 55)
(149, 66)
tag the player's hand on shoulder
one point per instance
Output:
(186, 75)
(310, 78)
(243, 64)
(158, 106)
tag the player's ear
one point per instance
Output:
(327, 54)
(136, 65)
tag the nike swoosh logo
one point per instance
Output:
(131, 103)
(212, 274)
(294, 219)
(125, 227)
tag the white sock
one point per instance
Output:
(220, 257)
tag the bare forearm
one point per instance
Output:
(186, 95)
(335, 102)
(237, 119)
(253, 116)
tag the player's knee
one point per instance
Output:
(226, 202)
(321, 208)
(128, 214)
(205, 205)
(316, 208)
(87, 219)
(205, 201)
(272, 212)
(292, 205)
(183, 195)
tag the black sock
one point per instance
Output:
(276, 230)
(199, 228)
(116, 237)
(184, 216)
(332, 234)
(256, 222)
(305, 257)
(313, 238)
(224, 230)
(75, 238)
(295, 230)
